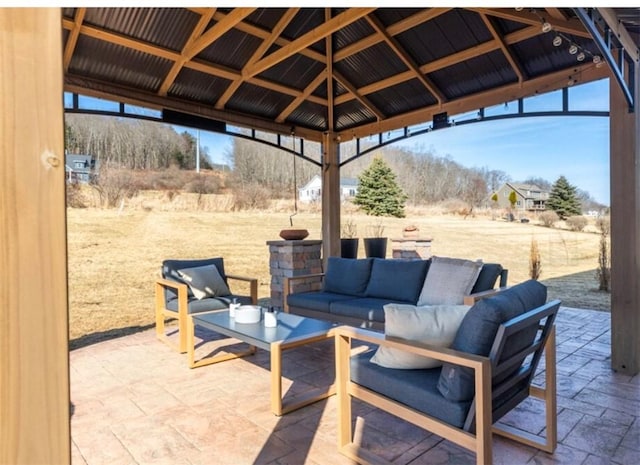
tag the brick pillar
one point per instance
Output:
(293, 258)
(411, 248)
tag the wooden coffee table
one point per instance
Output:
(291, 331)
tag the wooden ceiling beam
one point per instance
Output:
(357, 95)
(503, 46)
(306, 93)
(72, 40)
(392, 30)
(327, 28)
(257, 54)
(179, 64)
(584, 73)
(218, 30)
(331, 121)
(556, 13)
(406, 59)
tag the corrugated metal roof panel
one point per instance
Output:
(167, 27)
(258, 101)
(296, 71)
(370, 65)
(406, 96)
(351, 33)
(266, 18)
(350, 114)
(309, 115)
(118, 64)
(233, 49)
(481, 73)
(194, 85)
(389, 16)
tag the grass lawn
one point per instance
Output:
(114, 256)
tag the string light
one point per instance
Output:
(574, 49)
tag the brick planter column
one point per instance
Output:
(411, 248)
(293, 258)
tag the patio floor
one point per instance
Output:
(135, 401)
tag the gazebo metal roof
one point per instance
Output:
(349, 71)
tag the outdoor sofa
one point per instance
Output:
(355, 291)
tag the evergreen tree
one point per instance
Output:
(563, 199)
(378, 192)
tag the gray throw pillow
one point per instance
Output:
(448, 281)
(204, 281)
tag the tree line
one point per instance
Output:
(424, 177)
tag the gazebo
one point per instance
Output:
(327, 75)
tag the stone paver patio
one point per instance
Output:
(134, 401)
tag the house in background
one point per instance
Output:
(79, 168)
(312, 191)
(529, 197)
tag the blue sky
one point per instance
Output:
(546, 147)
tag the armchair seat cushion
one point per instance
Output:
(414, 388)
(208, 304)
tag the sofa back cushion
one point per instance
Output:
(487, 278)
(347, 275)
(448, 281)
(397, 279)
(478, 331)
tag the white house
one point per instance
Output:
(312, 191)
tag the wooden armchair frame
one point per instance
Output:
(183, 309)
(476, 435)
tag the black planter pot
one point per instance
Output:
(349, 247)
(375, 247)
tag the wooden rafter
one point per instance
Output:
(354, 92)
(73, 38)
(179, 64)
(330, 90)
(327, 28)
(503, 46)
(304, 95)
(556, 13)
(406, 59)
(258, 53)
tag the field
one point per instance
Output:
(114, 255)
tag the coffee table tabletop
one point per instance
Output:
(291, 331)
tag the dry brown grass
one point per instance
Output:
(115, 255)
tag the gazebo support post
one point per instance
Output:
(330, 197)
(34, 360)
(625, 229)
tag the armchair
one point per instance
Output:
(462, 400)
(194, 286)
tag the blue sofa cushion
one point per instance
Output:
(315, 300)
(397, 279)
(487, 278)
(347, 276)
(364, 308)
(478, 331)
(414, 388)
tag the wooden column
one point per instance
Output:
(330, 197)
(34, 367)
(625, 229)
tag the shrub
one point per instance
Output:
(75, 197)
(203, 184)
(250, 196)
(114, 184)
(548, 218)
(577, 223)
